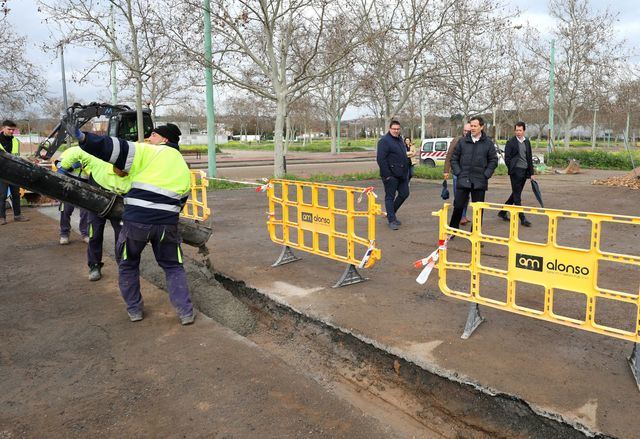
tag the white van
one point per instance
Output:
(434, 151)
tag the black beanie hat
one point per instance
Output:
(170, 132)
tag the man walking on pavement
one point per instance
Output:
(11, 145)
(394, 171)
(447, 168)
(473, 162)
(519, 160)
(160, 186)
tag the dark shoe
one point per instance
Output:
(3, 221)
(393, 226)
(504, 215)
(525, 223)
(464, 221)
(187, 320)
(94, 273)
(20, 219)
(135, 316)
(397, 221)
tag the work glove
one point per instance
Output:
(71, 125)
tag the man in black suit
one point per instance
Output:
(519, 161)
(394, 171)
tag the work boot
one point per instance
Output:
(3, 221)
(393, 225)
(64, 240)
(20, 219)
(188, 320)
(464, 221)
(397, 221)
(525, 222)
(135, 316)
(95, 273)
(504, 215)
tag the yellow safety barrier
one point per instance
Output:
(324, 219)
(555, 268)
(196, 207)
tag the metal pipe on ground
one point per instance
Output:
(20, 172)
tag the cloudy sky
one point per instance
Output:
(27, 21)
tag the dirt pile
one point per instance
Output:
(630, 180)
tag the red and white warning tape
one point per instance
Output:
(367, 190)
(429, 262)
(367, 255)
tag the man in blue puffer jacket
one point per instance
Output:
(394, 171)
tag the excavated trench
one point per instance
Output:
(413, 401)
(410, 399)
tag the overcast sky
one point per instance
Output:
(27, 21)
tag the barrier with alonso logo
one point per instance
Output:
(550, 266)
(335, 222)
(196, 207)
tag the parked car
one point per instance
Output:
(434, 151)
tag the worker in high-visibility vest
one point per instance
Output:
(77, 171)
(160, 186)
(10, 144)
(98, 173)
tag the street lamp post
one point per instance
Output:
(551, 95)
(211, 125)
(593, 130)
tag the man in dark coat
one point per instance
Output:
(472, 162)
(394, 171)
(519, 161)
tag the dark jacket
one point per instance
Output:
(447, 159)
(511, 155)
(392, 157)
(474, 163)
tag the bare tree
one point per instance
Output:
(87, 22)
(21, 81)
(474, 59)
(266, 47)
(400, 38)
(587, 52)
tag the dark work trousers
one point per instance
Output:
(518, 179)
(15, 199)
(96, 238)
(66, 210)
(455, 185)
(460, 201)
(392, 202)
(165, 241)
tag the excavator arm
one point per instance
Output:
(122, 124)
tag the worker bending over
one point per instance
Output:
(160, 186)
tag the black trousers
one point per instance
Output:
(518, 179)
(460, 201)
(15, 199)
(392, 202)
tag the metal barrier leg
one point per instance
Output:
(473, 321)
(634, 362)
(285, 257)
(350, 277)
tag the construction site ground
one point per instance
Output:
(581, 377)
(73, 365)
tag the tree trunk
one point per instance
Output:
(278, 144)
(333, 130)
(567, 131)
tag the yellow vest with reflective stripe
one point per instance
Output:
(15, 147)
